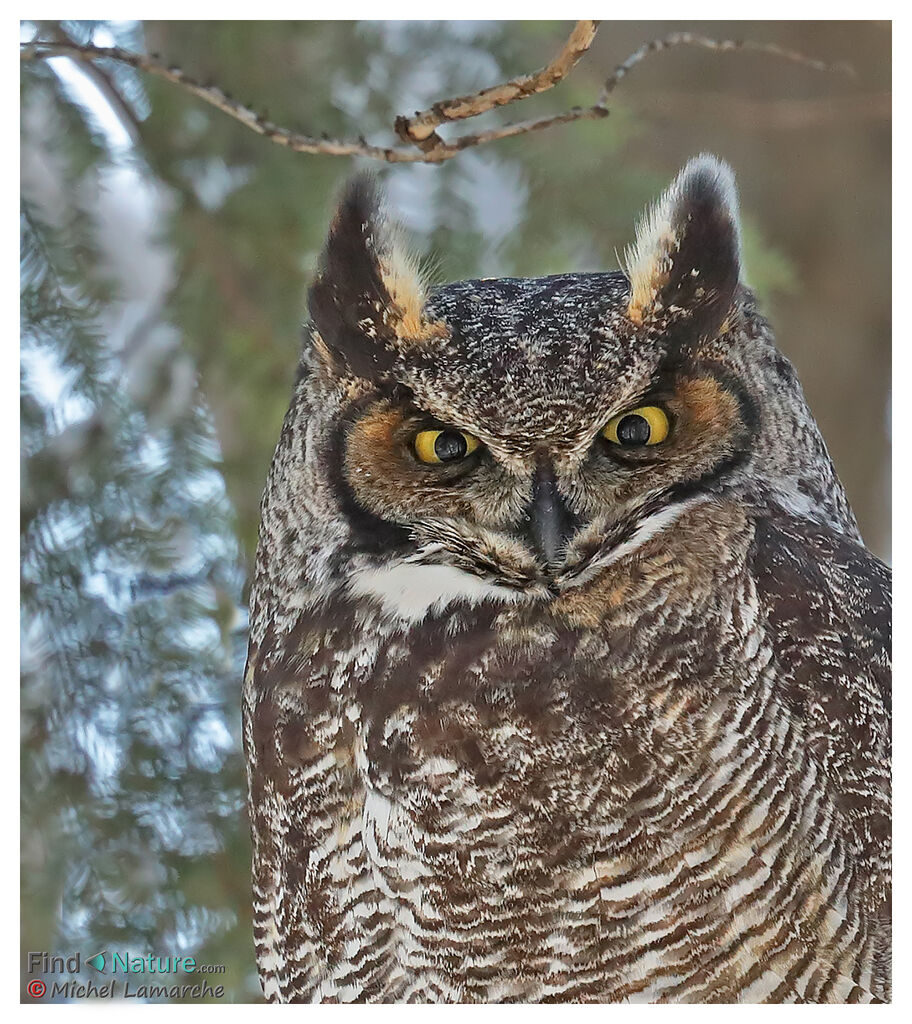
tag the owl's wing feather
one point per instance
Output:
(827, 605)
(827, 601)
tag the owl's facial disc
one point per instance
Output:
(525, 514)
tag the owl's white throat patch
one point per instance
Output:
(410, 591)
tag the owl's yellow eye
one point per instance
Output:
(449, 445)
(649, 424)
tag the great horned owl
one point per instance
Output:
(568, 675)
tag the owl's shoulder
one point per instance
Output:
(827, 605)
(819, 578)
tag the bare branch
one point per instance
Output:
(215, 97)
(425, 145)
(420, 128)
(594, 113)
(675, 39)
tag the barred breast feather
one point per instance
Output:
(666, 784)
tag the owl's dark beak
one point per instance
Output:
(549, 521)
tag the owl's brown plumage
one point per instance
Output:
(584, 696)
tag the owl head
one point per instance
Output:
(504, 439)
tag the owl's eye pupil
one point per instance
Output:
(634, 429)
(450, 445)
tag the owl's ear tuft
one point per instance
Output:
(368, 298)
(687, 256)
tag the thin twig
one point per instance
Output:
(425, 145)
(419, 129)
(593, 113)
(720, 46)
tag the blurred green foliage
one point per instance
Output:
(149, 414)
